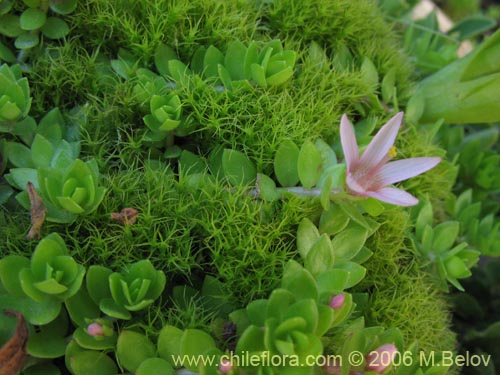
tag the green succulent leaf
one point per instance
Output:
(163, 55)
(234, 60)
(89, 362)
(169, 342)
(285, 163)
(10, 267)
(356, 272)
(10, 26)
(238, 168)
(155, 366)
(32, 19)
(349, 242)
(320, 257)
(55, 28)
(299, 282)
(97, 283)
(445, 235)
(26, 40)
(333, 220)
(63, 7)
(309, 165)
(133, 348)
(194, 343)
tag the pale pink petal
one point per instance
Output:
(349, 143)
(394, 196)
(380, 145)
(354, 186)
(401, 170)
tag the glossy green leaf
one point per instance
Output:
(349, 242)
(37, 313)
(55, 28)
(109, 307)
(80, 307)
(86, 341)
(320, 257)
(26, 40)
(132, 349)
(332, 281)
(424, 218)
(238, 168)
(280, 77)
(97, 282)
(369, 72)
(19, 155)
(89, 362)
(32, 19)
(333, 220)
(63, 7)
(307, 235)
(445, 235)
(235, 59)
(10, 267)
(356, 272)
(309, 165)
(6, 54)
(256, 311)
(42, 152)
(266, 188)
(299, 282)
(10, 26)
(258, 75)
(285, 163)
(163, 54)
(169, 342)
(155, 366)
(195, 342)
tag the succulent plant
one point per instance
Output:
(15, 98)
(165, 116)
(437, 245)
(133, 289)
(45, 281)
(293, 320)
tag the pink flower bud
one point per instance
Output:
(225, 366)
(381, 359)
(337, 301)
(95, 329)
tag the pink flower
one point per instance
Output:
(381, 359)
(337, 301)
(225, 366)
(95, 329)
(371, 174)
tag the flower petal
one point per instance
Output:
(349, 143)
(401, 170)
(394, 196)
(380, 145)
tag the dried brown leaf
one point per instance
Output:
(37, 211)
(13, 353)
(126, 216)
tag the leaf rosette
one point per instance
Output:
(165, 116)
(51, 274)
(133, 289)
(74, 190)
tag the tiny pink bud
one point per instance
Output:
(95, 329)
(381, 359)
(337, 301)
(225, 366)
